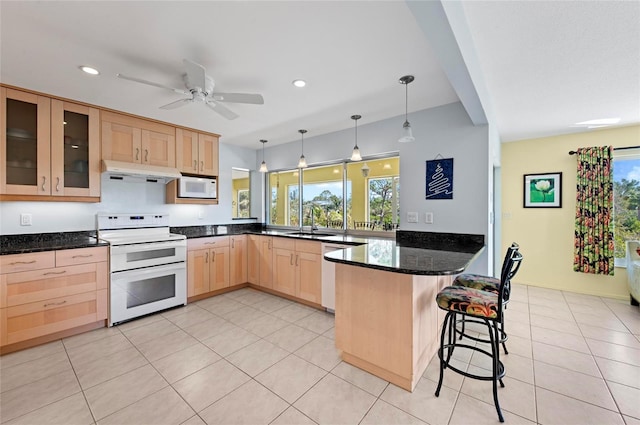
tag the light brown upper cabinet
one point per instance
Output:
(196, 153)
(130, 139)
(50, 149)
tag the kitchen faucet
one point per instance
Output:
(313, 224)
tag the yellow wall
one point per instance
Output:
(545, 235)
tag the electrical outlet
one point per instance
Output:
(25, 219)
(200, 215)
(412, 217)
(428, 217)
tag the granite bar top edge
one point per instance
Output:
(395, 257)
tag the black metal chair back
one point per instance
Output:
(509, 270)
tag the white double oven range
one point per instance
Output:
(147, 264)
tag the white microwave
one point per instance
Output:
(197, 187)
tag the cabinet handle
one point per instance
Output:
(195, 164)
(137, 154)
(291, 259)
(201, 165)
(58, 303)
(209, 243)
(233, 243)
(270, 243)
(44, 180)
(213, 257)
(58, 184)
(206, 259)
(62, 272)
(82, 256)
(296, 260)
(146, 155)
(22, 262)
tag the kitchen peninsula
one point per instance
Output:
(387, 319)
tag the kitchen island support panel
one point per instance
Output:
(387, 323)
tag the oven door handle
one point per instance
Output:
(140, 247)
(150, 270)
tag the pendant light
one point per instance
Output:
(263, 166)
(303, 161)
(355, 156)
(407, 134)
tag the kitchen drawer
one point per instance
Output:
(24, 262)
(32, 320)
(309, 246)
(70, 257)
(207, 243)
(284, 243)
(41, 285)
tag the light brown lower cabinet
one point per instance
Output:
(286, 265)
(208, 265)
(47, 292)
(297, 268)
(238, 260)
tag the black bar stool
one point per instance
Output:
(489, 284)
(485, 307)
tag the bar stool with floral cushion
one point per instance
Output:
(484, 307)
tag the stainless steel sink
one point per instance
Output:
(310, 234)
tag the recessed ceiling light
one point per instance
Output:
(597, 123)
(90, 70)
(299, 83)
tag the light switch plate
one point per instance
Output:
(412, 217)
(428, 217)
(25, 219)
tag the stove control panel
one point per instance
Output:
(131, 221)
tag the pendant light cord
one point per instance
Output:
(406, 102)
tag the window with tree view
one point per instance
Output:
(365, 197)
(626, 201)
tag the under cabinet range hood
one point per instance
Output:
(118, 170)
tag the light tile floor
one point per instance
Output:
(251, 358)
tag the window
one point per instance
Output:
(243, 203)
(367, 199)
(626, 201)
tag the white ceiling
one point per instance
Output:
(546, 65)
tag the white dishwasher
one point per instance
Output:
(329, 277)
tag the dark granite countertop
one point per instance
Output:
(256, 229)
(418, 253)
(37, 242)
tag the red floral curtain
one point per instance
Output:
(593, 247)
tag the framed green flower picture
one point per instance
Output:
(543, 190)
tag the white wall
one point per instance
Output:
(446, 130)
(129, 196)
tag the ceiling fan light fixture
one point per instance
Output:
(302, 163)
(299, 83)
(407, 133)
(89, 70)
(355, 155)
(263, 166)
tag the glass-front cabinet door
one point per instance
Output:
(75, 149)
(25, 143)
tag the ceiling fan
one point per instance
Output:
(199, 86)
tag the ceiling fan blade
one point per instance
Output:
(222, 110)
(195, 74)
(151, 83)
(176, 104)
(255, 99)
